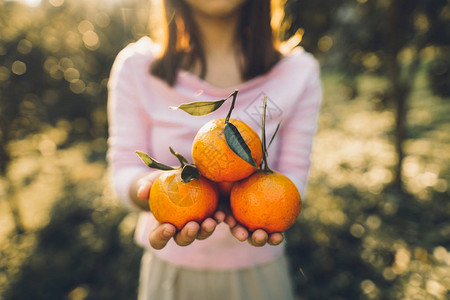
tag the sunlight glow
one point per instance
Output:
(32, 3)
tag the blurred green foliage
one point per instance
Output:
(360, 237)
(62, 235)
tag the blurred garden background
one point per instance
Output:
(376, 218)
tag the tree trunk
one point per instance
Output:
(398, 90)
(400, 95)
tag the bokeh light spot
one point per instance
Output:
(440, 253)
(4, 73)
(24, 46)
(19, 67)
(371, 61)
(73, 39)
(71, 75)
(325, 43)
(357, 230)
(93, 88)
(102, 19)
(77, 86)
(367, 286)
(402, 259)
(389, 274)
(84, 26)
(47, 147)
(65, 63)
(435, 288)
(373, 222)
(56, 3)
(90, 39)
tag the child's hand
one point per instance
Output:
(258, 238)
(162, 233)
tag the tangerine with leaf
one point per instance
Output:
(223, 149)
(180, 195)
(267, 199)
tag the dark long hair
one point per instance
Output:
(182, 46)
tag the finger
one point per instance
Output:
(219, 216)
(275, 239)
(206, 229)
(230, 221)
(239, 232)
(143, 191)
(187, 234)
(161, 235)
(258, 238)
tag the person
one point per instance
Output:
(208, 49)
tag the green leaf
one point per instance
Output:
(150, 162)
(237, 144)
(200, 108)
(189, 173)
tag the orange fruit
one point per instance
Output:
(266, 200)
(215, 160)
(173, 201)
(224, 188)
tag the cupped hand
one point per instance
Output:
(257, 238)
(162, 233)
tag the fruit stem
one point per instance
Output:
(183, 161)
(263, 136)
(232, 106)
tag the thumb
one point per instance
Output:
(144, 190)
(145, 183)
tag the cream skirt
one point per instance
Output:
(160, 280)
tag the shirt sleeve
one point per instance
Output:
(297, 132)
(128, 128)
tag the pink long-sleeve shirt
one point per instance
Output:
(140, 119)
